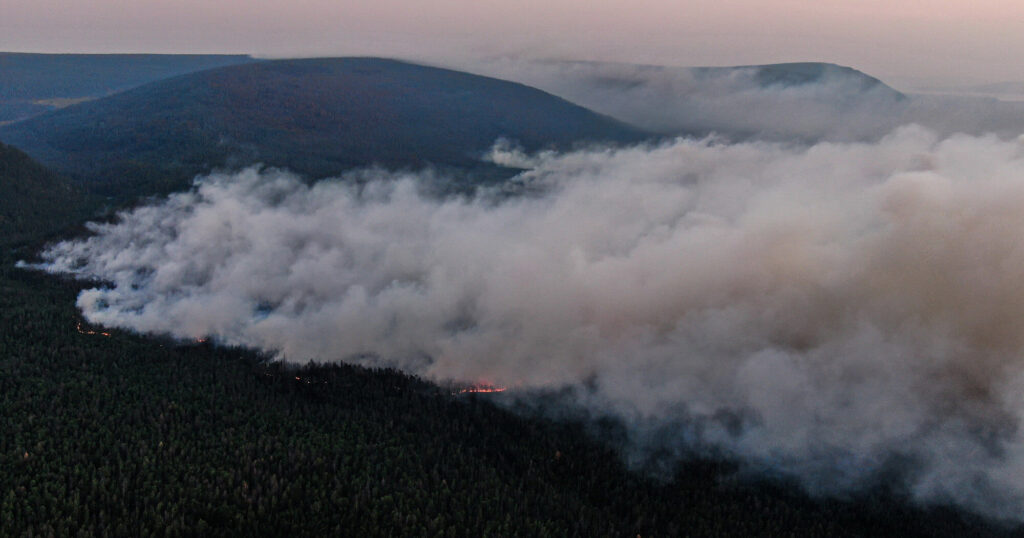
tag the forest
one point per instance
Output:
(316, 117)
(33, 83)
(107, 433)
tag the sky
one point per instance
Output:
(913, 41)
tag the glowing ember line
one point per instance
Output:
(477, 389)
(80, 331)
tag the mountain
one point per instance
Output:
(318, 117)
(107, 432)
(111, 433)
(31, 84)
(35, 202)
(788, 75)
(794, 101)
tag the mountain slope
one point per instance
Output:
(34, 202)
(796, 101)
(31, 84)
(124, 435)
(130, 436)
(317, 116)
(805, 73)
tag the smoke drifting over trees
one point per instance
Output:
(834, 312)
(807, 102)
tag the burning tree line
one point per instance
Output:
(126, 436)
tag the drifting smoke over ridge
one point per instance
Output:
(808, 102)
(853, 304)
(835, 104)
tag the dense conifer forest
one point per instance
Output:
(106, 433)
(316, 117)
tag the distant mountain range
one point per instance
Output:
(807, 101)
(31, 84)
(318, 117)
(73, 435)
(322, 117)
(804, 73)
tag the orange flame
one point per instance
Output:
(80, 331)
(481, 389)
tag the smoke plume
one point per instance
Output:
(808, 102)
(825, 311)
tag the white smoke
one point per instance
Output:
(729, 101)
(838, 104)
(847, 305)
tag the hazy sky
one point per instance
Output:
(902, 40)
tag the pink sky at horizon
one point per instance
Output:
(915, 41)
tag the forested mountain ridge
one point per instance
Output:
(318, 117)
(804, 73)
(31, 83)
(34, 201)
(806, 102)
(110, 433)
(123, 435)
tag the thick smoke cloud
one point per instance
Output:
(837, 312)
(730, 101)
(835, 104)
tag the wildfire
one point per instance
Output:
(309, 381)
(81, 331)
(481, 389)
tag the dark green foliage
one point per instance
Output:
(26, 79)
(35, 202)
(132, 436)
(124, 435)
(317, 117)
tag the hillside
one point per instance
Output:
(127, 435)
(31, 84)
(318, 117)
(123, 435)
(804, 102)
(35, 202)
(805, 73)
